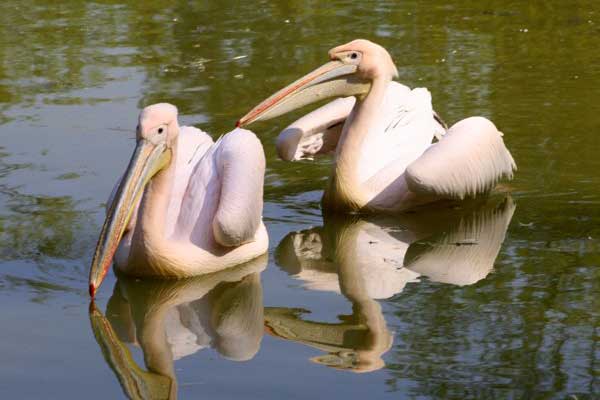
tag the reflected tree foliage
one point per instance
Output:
(45, 231)
(47, 53)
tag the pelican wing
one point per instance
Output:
(223, 198)
(193, 144)
(470, 159)
(316, 133)
(401, 132)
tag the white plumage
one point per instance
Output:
(400, 152)
(469, 160)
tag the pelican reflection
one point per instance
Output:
(171, 319)
(375, 258)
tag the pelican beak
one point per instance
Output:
(334, 79)
(148, 158)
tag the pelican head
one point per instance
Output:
(156, 135)
(352, 69)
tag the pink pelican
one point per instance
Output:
(386, 159)
(186, 205)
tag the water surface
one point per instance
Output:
(313, 315)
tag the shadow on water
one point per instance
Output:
(375, 258)
(172, 319)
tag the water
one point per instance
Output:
(73, 76)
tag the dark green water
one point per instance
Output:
(73, 76)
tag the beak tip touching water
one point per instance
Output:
(92, 307)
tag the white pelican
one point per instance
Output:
(384, 157)
(200, 203)
(375, 258)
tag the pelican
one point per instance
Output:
(173, 319)
(366, 259)
(382, 133)
(186, 205)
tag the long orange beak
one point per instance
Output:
(147, 160)
(334, 79)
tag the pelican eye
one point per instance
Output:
(354, 56)
(160, 130)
